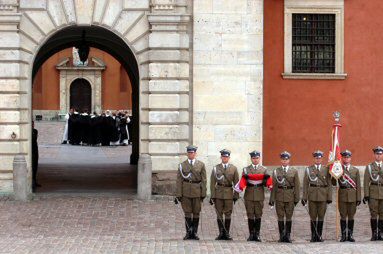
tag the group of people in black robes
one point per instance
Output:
(106, 129)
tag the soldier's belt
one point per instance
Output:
(254, 185)
(224, 185)
(192, 181)
(346, 187)
(379, 184)
(319, 186)
(285, 187)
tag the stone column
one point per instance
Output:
(144, 177)
(20, 178)
(64, 107)
(168, 86)
(14, 100)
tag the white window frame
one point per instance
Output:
(313, 7)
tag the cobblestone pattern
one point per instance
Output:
(95, 223)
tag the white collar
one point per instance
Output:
(318, 166)
(254, 166)
(191, 161)
(223, 165)
(287, 167)
(378, 163)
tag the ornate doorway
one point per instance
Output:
(81, 95)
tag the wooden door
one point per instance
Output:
(81, 95)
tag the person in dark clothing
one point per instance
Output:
(95, 129)
(75, 126)
(84, 128)
(35, 157)
(114, 124)
(105, 129)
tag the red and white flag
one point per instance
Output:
(336, 169)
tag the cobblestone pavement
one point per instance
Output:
(116, 223)
(67, 168)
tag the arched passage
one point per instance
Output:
(81, 95)
(109, 42)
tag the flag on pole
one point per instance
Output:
(336, 169)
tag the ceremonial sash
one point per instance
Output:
(252, 179)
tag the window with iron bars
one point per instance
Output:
(313, 39)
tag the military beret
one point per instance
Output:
(378, 150)
(225, 152)
(285, 155)
(346, 153)
(255, 153)
(318, 154)
(191, 148)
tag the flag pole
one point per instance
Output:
(336, 169)
(337, 212)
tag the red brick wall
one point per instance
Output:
(46, 84)
(298, 113)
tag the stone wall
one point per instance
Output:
(227, 78)
(156, 31)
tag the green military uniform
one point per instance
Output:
(317, 191)
(373, 194)
(349, 198)
(254, 198)
(285, 195)
(222, 180)
(191, 190)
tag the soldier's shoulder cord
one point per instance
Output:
(188, 176)
(215, 174)
(370, 172)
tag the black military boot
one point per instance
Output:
(221, 230)
(343, 229)
(195, 228)
(350, 231)
(319, 231)
(189, 228)
(257, 229)
(227, 229)
(374, 227)
(380, 230)
(288, 231)
(281, 228)
(250, 223)
(313, 234)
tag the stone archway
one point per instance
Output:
(155, 32)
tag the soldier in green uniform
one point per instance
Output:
(191, 190)
(317, 190)
(254, 196)
(373, 193)
(285, 195)
(223, 177)
(349, 196)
